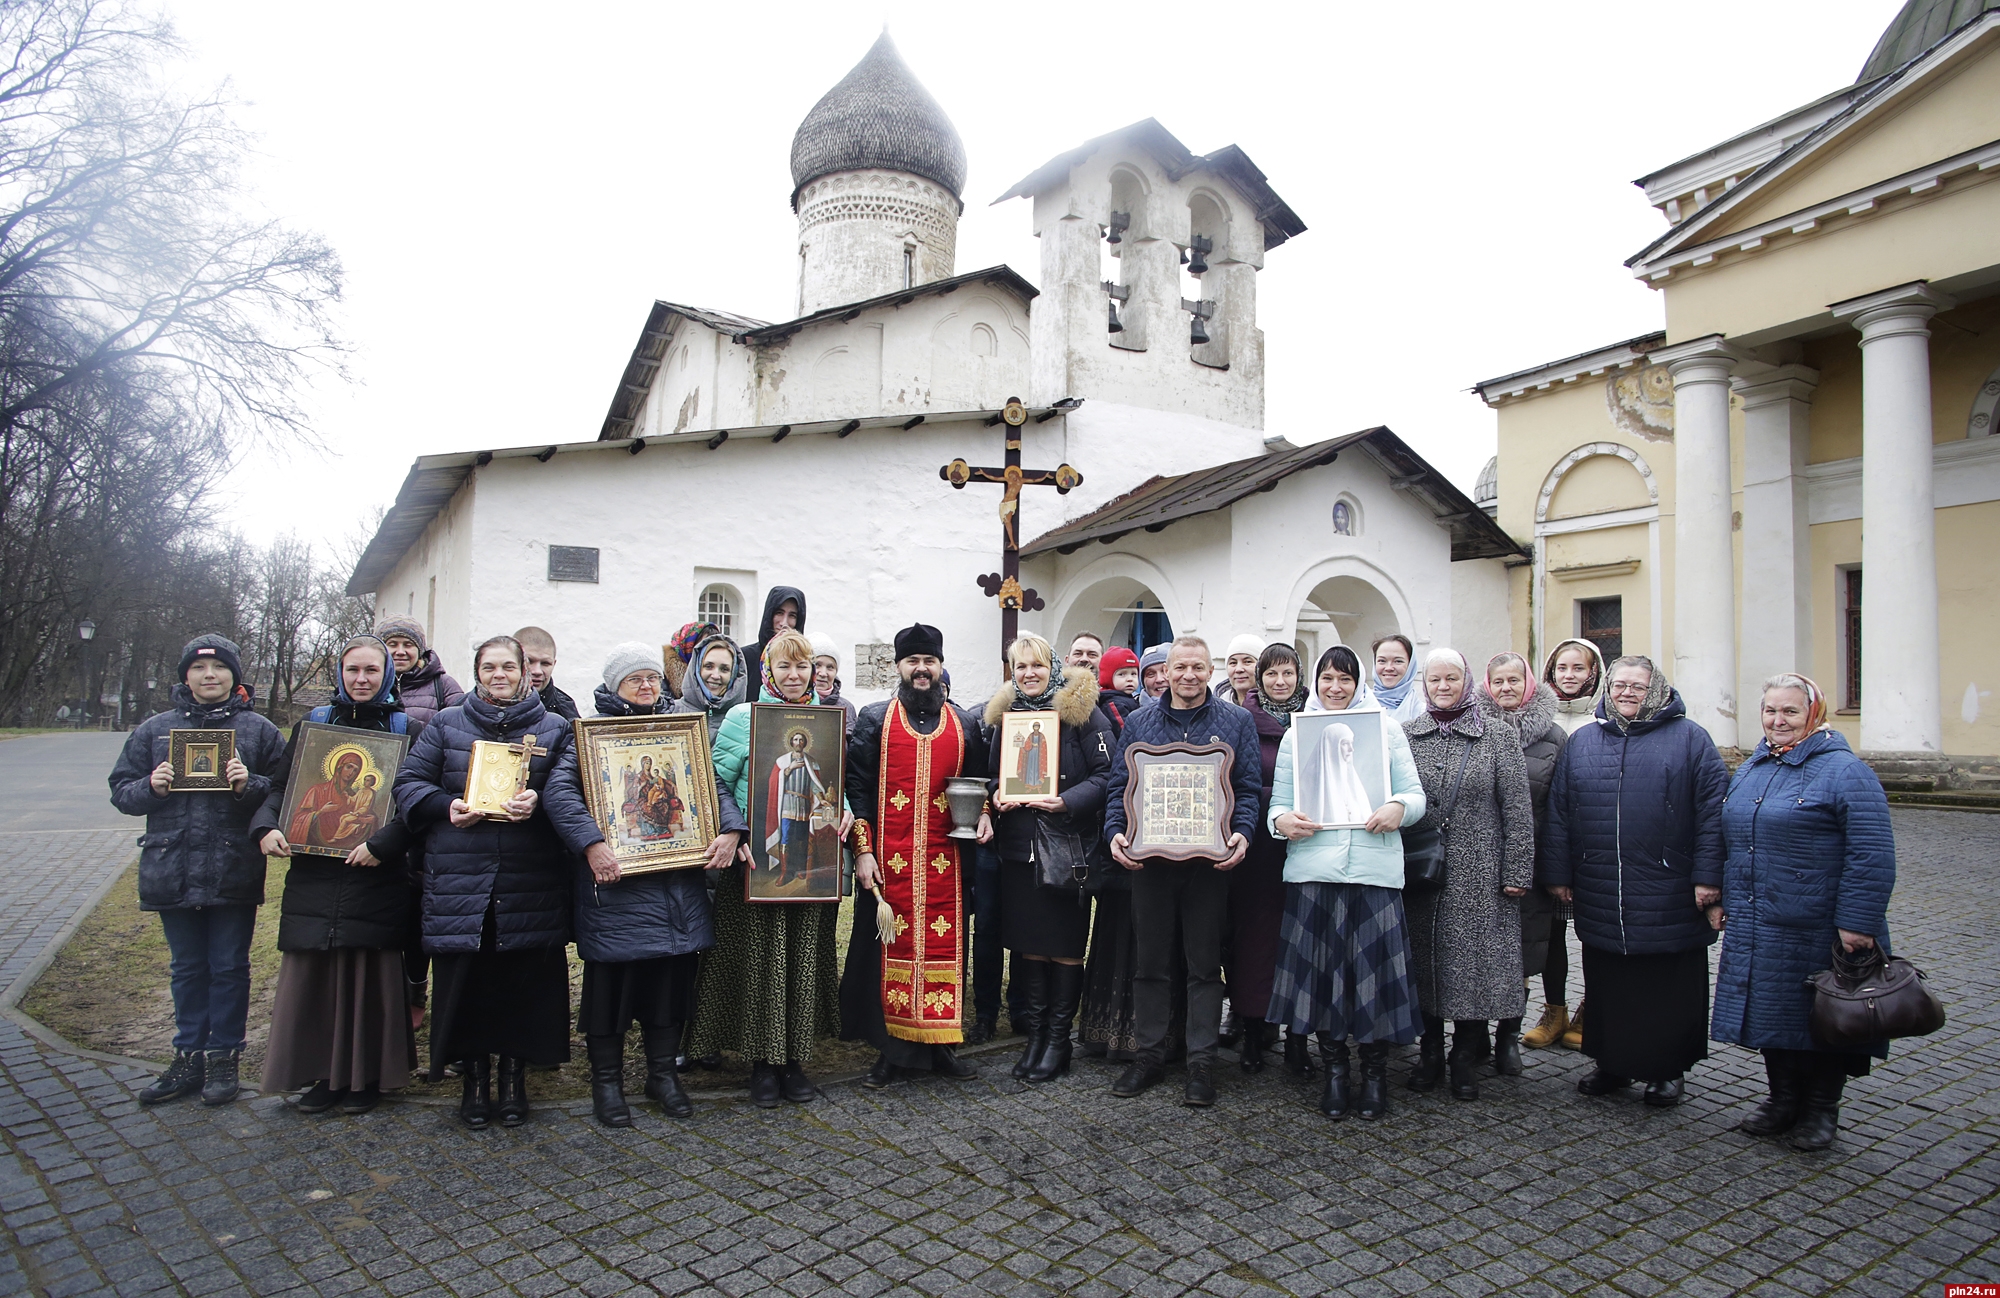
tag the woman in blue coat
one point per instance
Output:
(1811, 860)
(640, 938)
(496, 891)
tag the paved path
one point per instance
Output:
(58, 782)
(991, 1188)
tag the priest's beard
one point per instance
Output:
(925, 702)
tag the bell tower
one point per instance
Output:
(877, 174)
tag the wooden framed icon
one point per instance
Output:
(200, 760)
(650, 785)
(1030, 757)
(497, 772)
(798, 770)
(1340, 767)
(337, 794)
(1178, 801)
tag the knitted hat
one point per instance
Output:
(1153, 657)
(217, 647)
(407, 627)
(1244, 644)
(627, 658)
(1114, 661)
(823, 646)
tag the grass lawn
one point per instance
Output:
(107, 990)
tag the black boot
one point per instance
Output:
(219, 1084)
(1031, 1013)
(1065, 983)
(1430, 1058)
(513, 1091)
(945, 1062)
(475, 1107)
(607, 1080)
(663, 1079)
(1374, 1101)
(1333, 1101)
(795, 1085)
(1250, 1044)
(1819, 1111)
(1780, 1112)
(183, 1077)
(1507, 1048)
(1467, 1036)
(1298, 1055)
(766, 1085)
(881, 1075)
(1198, 1091)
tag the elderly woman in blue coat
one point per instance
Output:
(1810, 861)
(1634, 840)
(1343, 956)
(640, 936)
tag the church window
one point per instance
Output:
(1850, 639)
(909, 266)
(717, 607)
(1346, 516)
(1602, 622)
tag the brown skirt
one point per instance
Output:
(341, 1016)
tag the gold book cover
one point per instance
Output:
(498, 772)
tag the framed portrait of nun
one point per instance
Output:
(1340, 766)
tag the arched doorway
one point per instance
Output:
(1123, 610)
(1342, 610)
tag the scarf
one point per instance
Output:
(1390, 697)
(777, 695)
(1445, 716)
(1046, 700)
(1816, 709)
(1584, 703)
(1657, 691)
(521, 692)
(1283, 709)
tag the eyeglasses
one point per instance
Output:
(1630, 687)
(643, 678)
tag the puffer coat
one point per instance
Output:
(1465, 938)
(1809, 851)
(1634, 823)
(1084, 742)
(642, 916)
(518, 868)
(196, 850)
(428, 689)
(329, 904)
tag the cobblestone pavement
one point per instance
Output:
(992, 1188)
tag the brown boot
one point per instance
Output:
(1572, 1036)
(1555, 1021)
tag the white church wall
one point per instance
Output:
(1118, 446)
(705, 381)
(1481, 623)
(434, 581)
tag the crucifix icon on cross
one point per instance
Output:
(1005, 585)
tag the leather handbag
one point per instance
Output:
(1865, 999)
(1061, 853)
(1423, 842)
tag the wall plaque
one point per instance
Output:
(573, 563)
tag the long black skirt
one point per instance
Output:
(492, 1002)
(656, 993)
(1107, 1022)
(1040, 921)
(1648, 1015)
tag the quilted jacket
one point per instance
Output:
(1809, 851)
(1634, 823)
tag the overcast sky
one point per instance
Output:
(511, 186)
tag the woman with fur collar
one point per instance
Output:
(1047, 927)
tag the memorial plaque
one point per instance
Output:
(573, 563)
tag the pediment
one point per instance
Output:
(1941, 106)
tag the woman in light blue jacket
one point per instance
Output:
(1344, 957)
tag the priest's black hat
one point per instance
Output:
(919, 639)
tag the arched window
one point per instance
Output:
(717, 605)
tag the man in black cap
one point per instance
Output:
(904, 991)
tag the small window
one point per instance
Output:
(909, 266)
(1346, 516)
(1850, 638)
(717, 607)
(1602, 622)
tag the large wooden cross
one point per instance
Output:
(1005, 585)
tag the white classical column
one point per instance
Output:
(1704, 667)
(1899, 593)
(1777, 543)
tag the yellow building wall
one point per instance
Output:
(1795, 278)
(1960, 112)
(1833, 545)
(1965, 348)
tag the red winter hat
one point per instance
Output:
(1110, 664)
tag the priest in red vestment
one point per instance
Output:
(905, 992)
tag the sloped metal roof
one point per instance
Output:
(1916, 27)
(879, 115)
(1160, 502)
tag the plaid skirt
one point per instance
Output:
(1344, 964)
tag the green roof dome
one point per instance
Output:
(1919, 25)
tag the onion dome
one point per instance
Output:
(1917, 26)
(879, 116)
